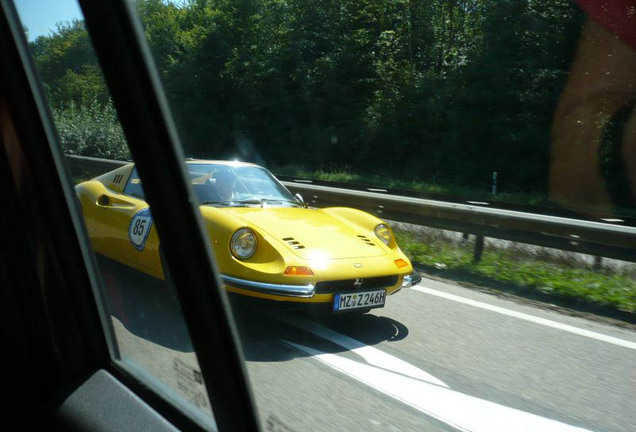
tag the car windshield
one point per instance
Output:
(237, 185)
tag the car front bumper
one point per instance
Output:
(300, 291)
(306, 293)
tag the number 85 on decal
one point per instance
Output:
(139, 228)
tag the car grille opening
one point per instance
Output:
(327, 287)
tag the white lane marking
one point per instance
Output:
(463, 412)
(372, 355)
(546, 322)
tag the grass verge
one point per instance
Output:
(565, 282)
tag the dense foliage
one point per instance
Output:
(438, 90)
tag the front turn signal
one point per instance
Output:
(298, 271)
(401, 263)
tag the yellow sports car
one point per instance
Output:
(267, 242)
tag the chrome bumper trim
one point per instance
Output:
(305, 291)
(411, 279)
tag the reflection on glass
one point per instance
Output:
(497, 108)
(150, 331)
(475, 105)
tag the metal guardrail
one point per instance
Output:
(90, 166)
(588, 237)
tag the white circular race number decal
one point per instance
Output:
(139, 228)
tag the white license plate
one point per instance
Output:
(358, 300)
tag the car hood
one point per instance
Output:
(312, 233)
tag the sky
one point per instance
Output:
(40, 16)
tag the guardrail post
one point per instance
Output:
(598, 262)
(479, 248)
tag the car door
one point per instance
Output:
(119, 220)
(127, 228)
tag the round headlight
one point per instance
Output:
(243, 243)
(383, 232)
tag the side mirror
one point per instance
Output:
(300, 199)
(103, 200)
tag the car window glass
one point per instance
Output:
(133, 186)
(464, 255)
(246, 182)
(454, 130)
(151, 336)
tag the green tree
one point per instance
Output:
(443, 90)
(91, 130)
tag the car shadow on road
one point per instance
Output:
(269, 335)
(148, 308)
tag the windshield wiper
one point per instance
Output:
(225, 203)
(287, 201)
(294, 202)
(261, 201)
(251, 201)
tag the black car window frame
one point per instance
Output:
(119, 44)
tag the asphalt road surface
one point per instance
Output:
(437, 357)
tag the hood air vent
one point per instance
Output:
(293, 243)
(366, 240)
